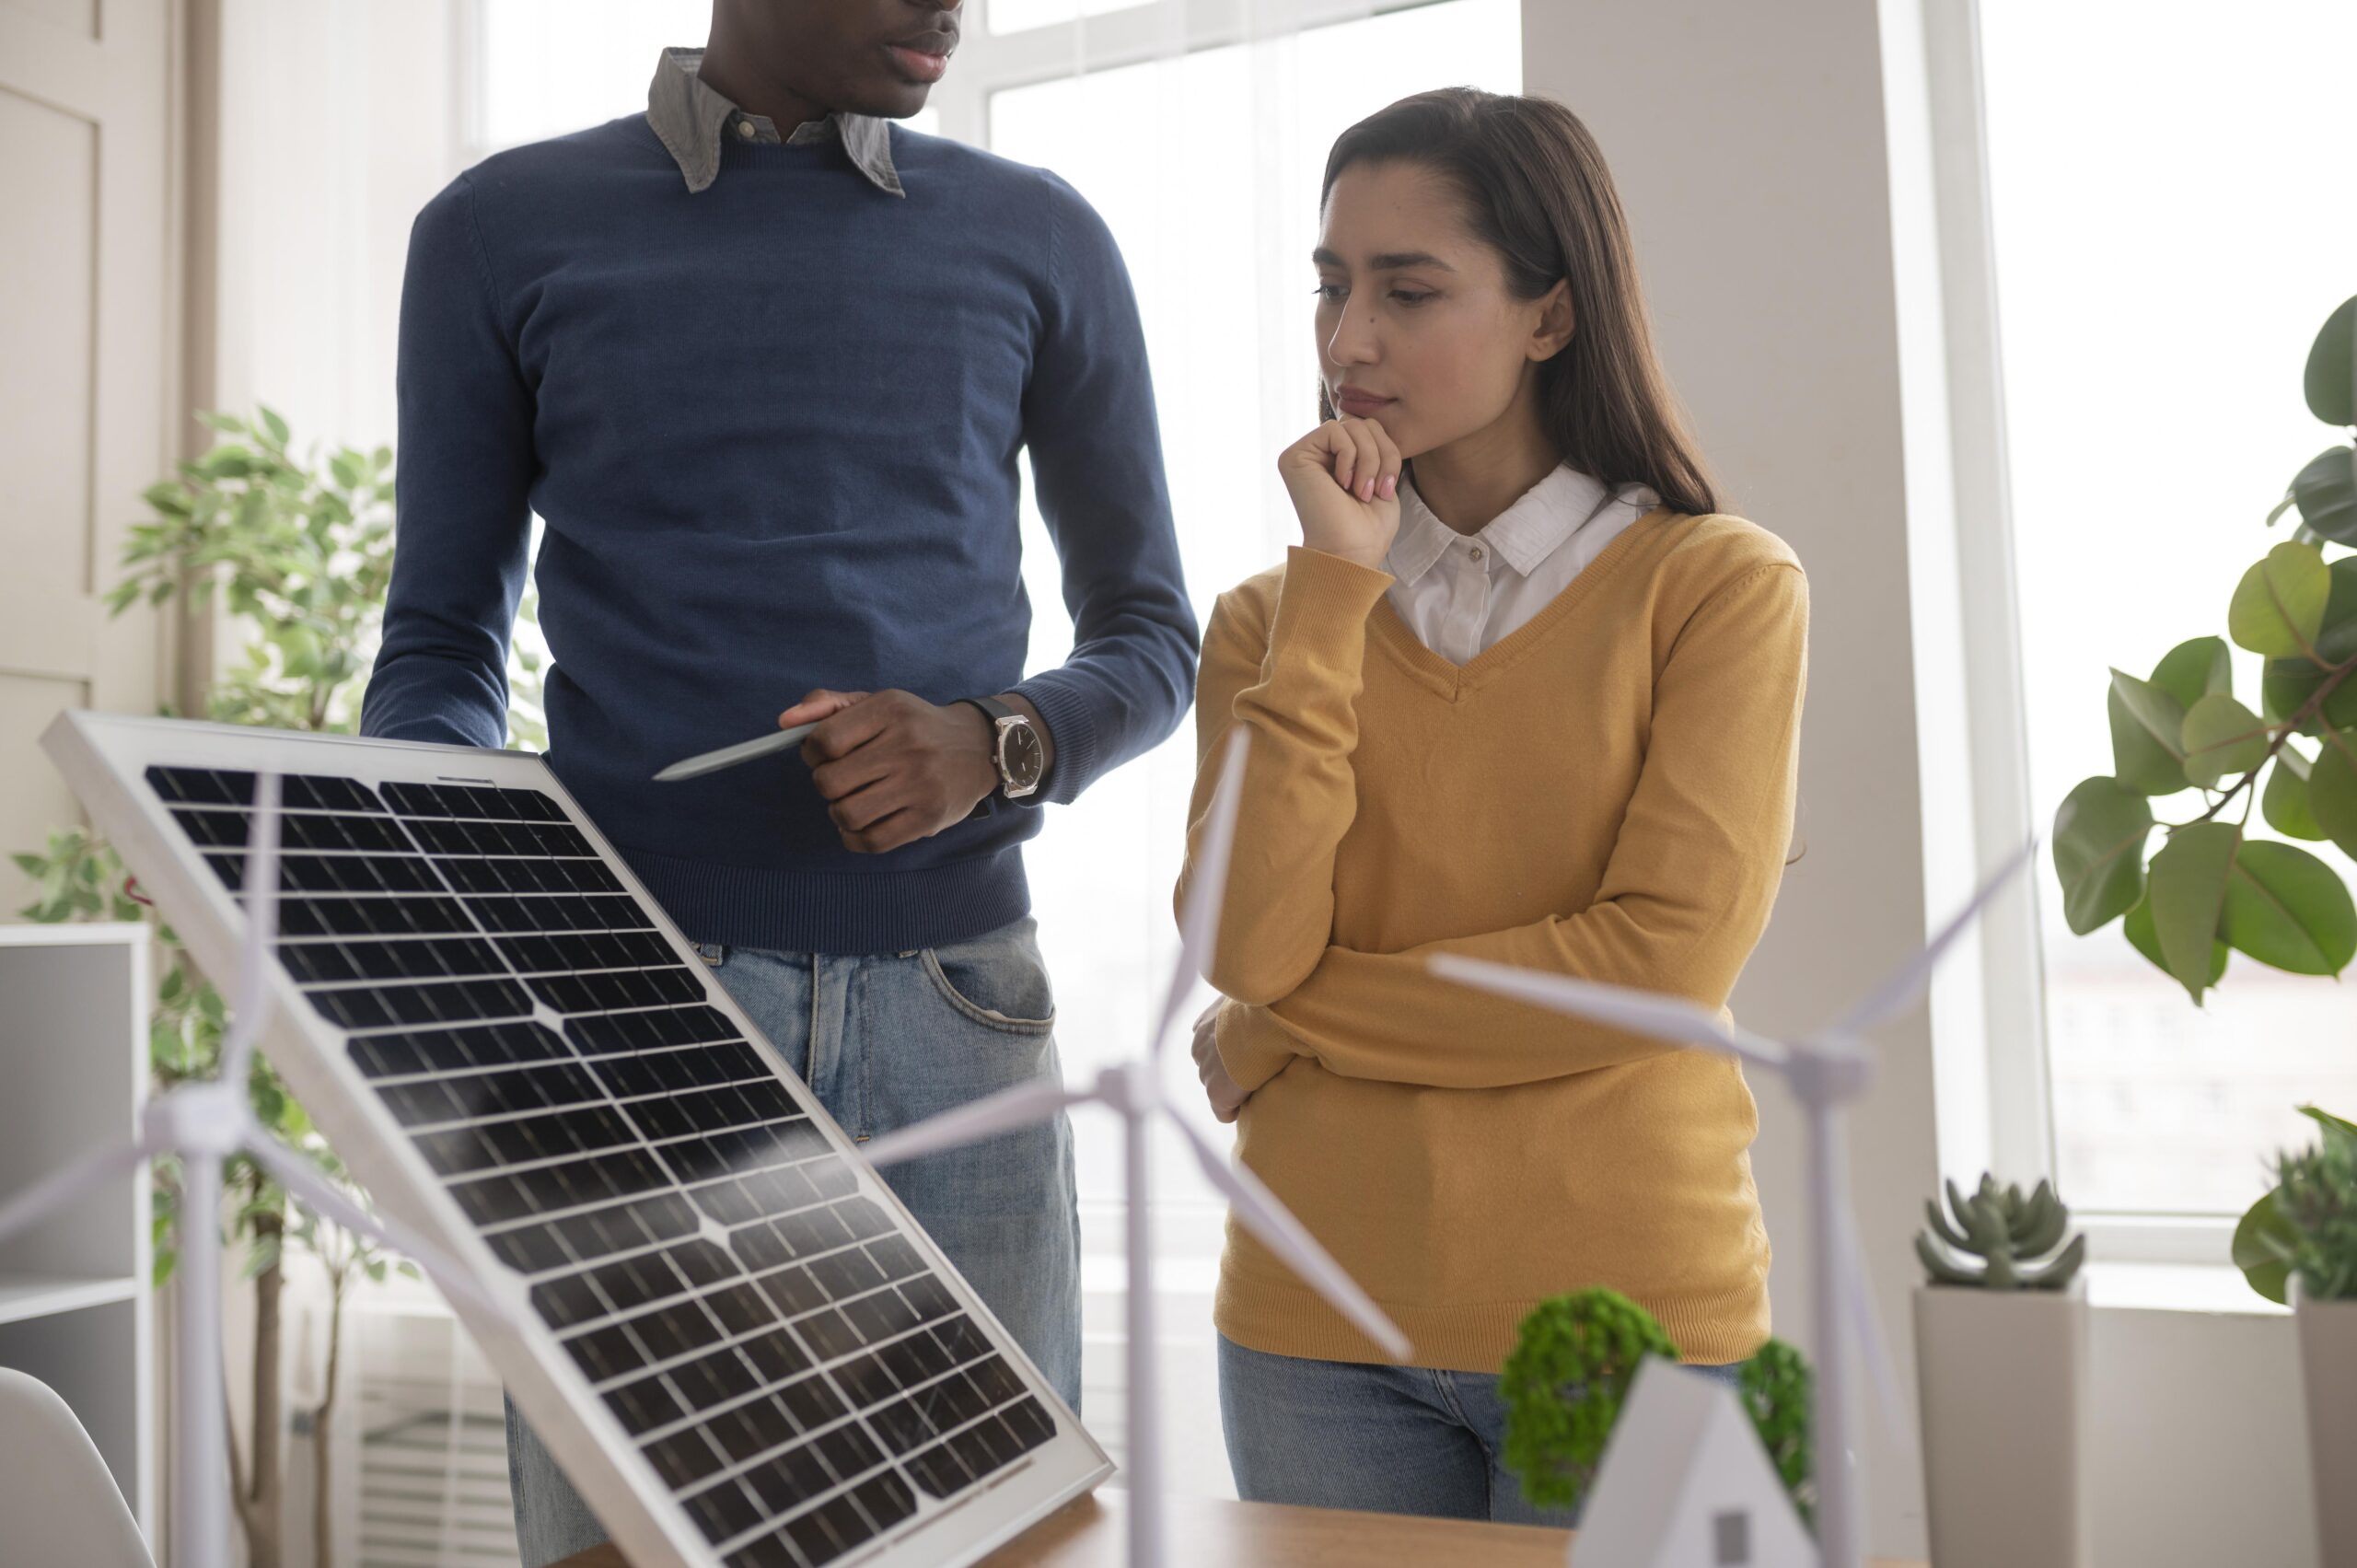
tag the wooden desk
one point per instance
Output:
(1208, 1530)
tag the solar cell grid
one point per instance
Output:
(779, 1350)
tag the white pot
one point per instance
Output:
(2004, 1377)
(2329, 1387)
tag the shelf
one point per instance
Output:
(24, 1296)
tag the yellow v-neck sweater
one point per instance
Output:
(1605, 793)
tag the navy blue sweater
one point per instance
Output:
(772, 428)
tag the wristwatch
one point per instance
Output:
(1020, 756)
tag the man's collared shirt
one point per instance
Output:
(691, 119)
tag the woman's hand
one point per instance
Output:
(1226, 1098)
(1344, 480)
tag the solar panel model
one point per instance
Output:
(741, 1347)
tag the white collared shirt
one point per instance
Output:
(1462, 594)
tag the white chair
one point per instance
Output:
(58, 1501)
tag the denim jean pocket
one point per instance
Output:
(998, 981)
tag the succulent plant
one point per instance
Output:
(2007, 1231)
(2307, 1223)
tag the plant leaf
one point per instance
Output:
(2195, 668)
(2277, 607)
(2222, 737)
(2147, 735)
(2262, 1248)
(2189, 895)
(2326, 492)
(2285, 799)
(2289, 909)
(2100, 835)
(2138, 928)
(2332, 369)
(2332, 789)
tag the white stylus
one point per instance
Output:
(729, 756)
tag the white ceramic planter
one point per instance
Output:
(2329, 1387)
(2004, 1379)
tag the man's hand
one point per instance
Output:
(1226, 1098)
(894, 767)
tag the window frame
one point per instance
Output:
(1990, 1027)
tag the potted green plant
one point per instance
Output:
(301, 548)
(1568, 1378)
(2001, 1364)
(2299, 1241)
(2212, 889)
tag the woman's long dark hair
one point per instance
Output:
(1537, 192)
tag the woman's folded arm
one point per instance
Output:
(1685, 895)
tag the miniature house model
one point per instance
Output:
(1684, 1484)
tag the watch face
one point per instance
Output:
(1019, 754)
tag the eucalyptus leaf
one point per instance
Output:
(2289, 909)
(2221, 738)
(2278, 608)
(2099, 836)
(2189, 895)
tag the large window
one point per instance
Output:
(2172, 223)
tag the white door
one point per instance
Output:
(85, 96)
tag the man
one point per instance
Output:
(763, 365)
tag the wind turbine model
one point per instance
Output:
(1827, 1071)
(205, 1123)
(1133, 1090)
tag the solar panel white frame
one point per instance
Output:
(105, 758)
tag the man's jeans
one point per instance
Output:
(1383, 1439)
(885, 1042)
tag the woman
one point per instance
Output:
(1520, 694)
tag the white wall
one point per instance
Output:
(1781, 253)
(1748, 143)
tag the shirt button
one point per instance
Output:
(745, 129)
(1477, 552)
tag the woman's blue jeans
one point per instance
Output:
(1385, 1439)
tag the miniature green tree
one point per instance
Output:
(1569, 1375)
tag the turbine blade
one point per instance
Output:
(1207, 890)
(252, 999)
(1266, 1217)
(1905, 985)
(315, 1191)
(63, 1185)
(971, 1122)
(1672, 1018)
